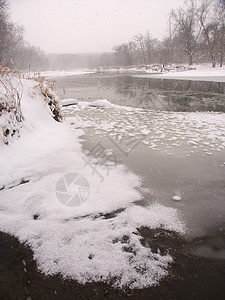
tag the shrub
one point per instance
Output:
(11, 91)
(50, 97)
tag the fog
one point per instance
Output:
(81, 26)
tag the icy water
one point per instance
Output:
(175, 141)
(155, 94)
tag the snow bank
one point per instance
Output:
(77, 242)
(101, 103)
(202, 73)
(61, 73)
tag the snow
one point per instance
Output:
(197, 72)
(61, 73)
(77, 242)
(202, 73)
(94, 249)
(102, 103)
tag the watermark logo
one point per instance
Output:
(105, 159)
(127, 143)
(72, 189)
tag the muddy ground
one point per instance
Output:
(190, 277)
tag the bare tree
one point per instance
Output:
(4, 30)
(187, 28)
(124, 54)
(168, 44)
(209, 25)
(195, 30)
(140, 42)
(150, 45)
(220, 11)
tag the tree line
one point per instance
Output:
(15, 52)
(196, 34)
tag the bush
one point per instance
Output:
(11, 91)
(50, 97)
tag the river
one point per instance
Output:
(177, 143)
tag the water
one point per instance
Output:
(181, 145)
(164, 157)
(156, 94)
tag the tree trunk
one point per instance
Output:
(222, 47)
(213, 61)
(221, 58)
(190, 60)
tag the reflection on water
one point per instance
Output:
(175, 153)
(208, 246)
(178, 153)
(155, 94)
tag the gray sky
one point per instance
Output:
(75, 26)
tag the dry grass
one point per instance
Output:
(47, 88)
(11, 92)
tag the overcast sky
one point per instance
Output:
(80, 26)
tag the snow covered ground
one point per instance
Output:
(199, 73)
(78, 242)
(62, 73)
(202, 73)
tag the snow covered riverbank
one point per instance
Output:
(80, 242)
(199, 73)
(195, 73)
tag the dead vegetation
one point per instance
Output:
(11, 93)
(47, 88)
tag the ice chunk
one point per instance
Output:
(102, 103)
(176, 198)
(68, 102)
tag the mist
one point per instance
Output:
(83, 26)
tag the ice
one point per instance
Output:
(145, 132)
(101, 103)
(191, 142)
(176, 198)
(182, 132)
(68, 102)
(174, 138)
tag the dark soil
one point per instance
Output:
(190, 277)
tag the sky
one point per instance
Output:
(96, 26)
